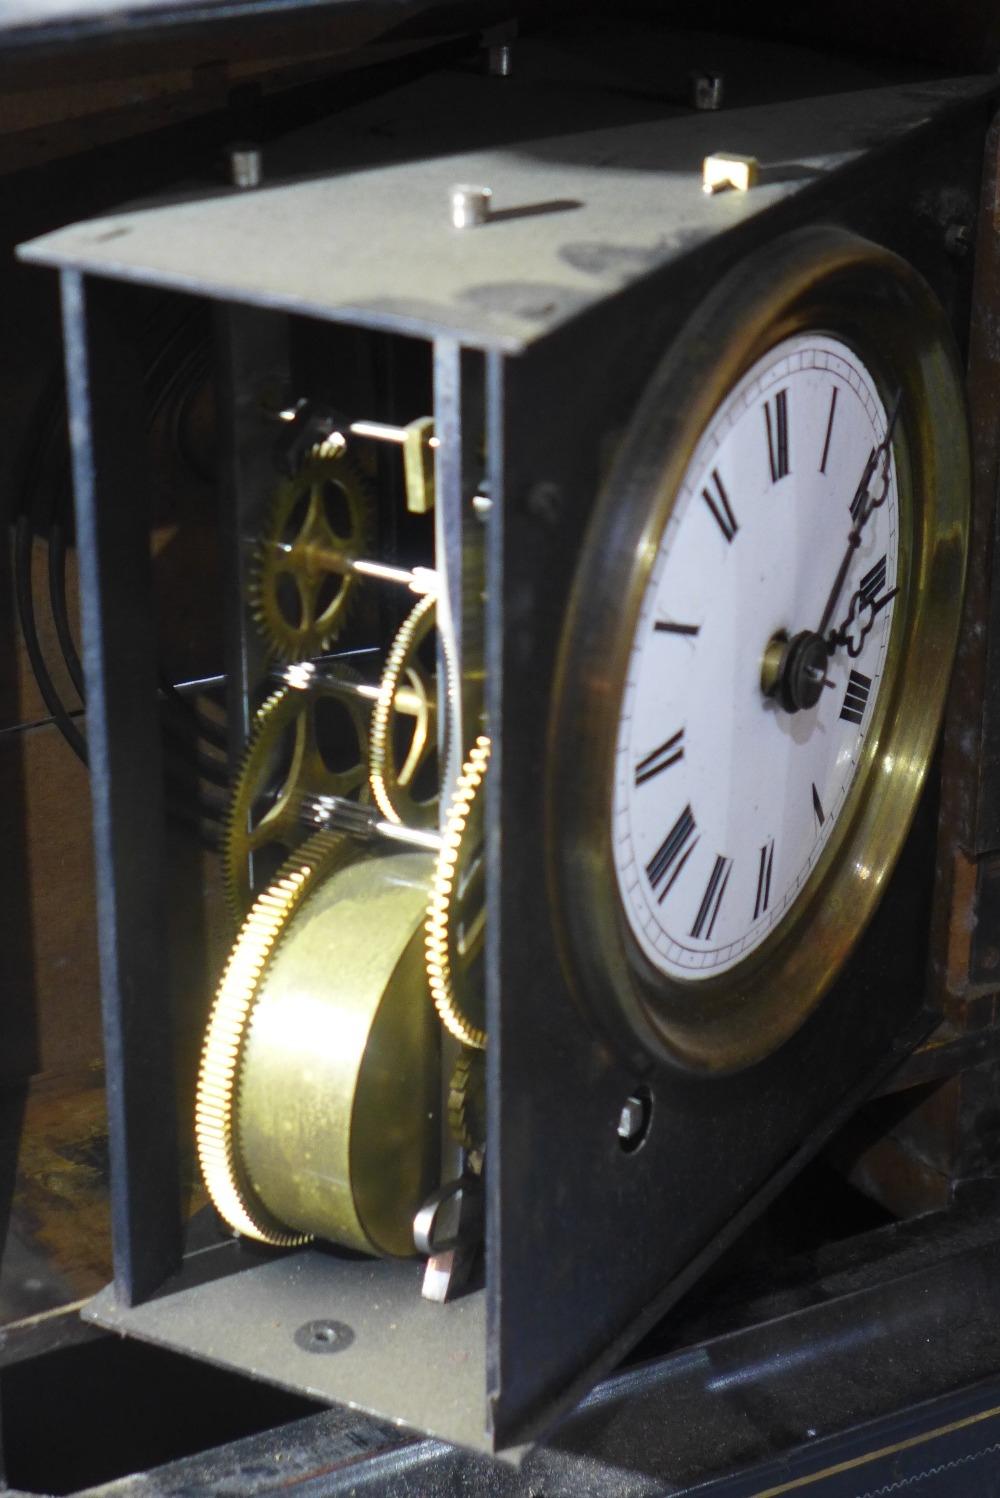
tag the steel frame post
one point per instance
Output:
(113, 519)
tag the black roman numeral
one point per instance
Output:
(672, 854)
(704, 921)
(871, 585)
(660, 759)
(776, 420)
(818, 806)
(720, 507)
(764, 877)
(668, 627)
(829, 431)
(856, 697)
(873, 582)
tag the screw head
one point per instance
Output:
(324, 1336)
(631, 1120)
(707, 90)
(245, 165)
(470, 205)
(634, 1119)
(501, 60)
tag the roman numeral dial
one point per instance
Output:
(726, 793)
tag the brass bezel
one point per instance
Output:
(825, 280)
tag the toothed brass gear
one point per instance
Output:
(456, 914)
(215, 1106)
(320, 1083)
(467, 1100)
(406, 677)
(283, 768)
(302, 583)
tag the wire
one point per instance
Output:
(213, 733)
(26, 610)
(46, 514)
(57, 598)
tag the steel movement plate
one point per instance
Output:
(248, 1321)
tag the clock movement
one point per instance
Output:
(593, 568)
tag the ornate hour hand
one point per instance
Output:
(862, 505)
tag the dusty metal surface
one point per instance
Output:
(57, 1243)
(249, 1321)
(54, 1199)
(575, 217)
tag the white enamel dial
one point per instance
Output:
(723, 798)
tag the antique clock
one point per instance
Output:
(680, 480)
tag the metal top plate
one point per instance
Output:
(576, 217)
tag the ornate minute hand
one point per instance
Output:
(867, 602)
(861, 507)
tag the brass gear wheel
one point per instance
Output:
(225, 1036)
(302, 584)
(283, 767)
(467, 1100)
(456, 913)
(406, 677)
